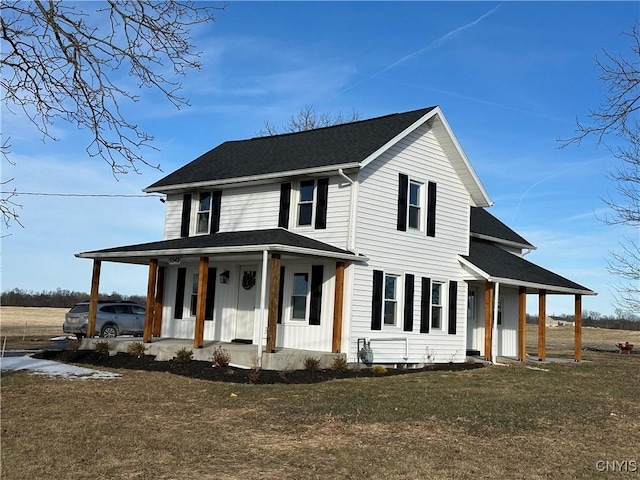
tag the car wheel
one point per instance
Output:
(109, 331)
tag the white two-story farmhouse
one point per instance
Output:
(369, 238)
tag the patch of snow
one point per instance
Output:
(53, 369)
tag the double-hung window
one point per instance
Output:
(415, 205)
(299, 295)
(305, 203)
(204, 213)
(436, 305)
(390, 299)
(194, 296)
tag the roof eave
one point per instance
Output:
(115, 255)
(251, 178)
(476, 189)
(501, 241)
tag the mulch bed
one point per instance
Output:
(205, 370)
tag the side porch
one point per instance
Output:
(499, 282)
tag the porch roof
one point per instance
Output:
(485, 226)
(277, 240)
(497, 265)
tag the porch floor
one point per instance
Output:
(242, 355)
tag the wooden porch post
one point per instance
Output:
(542, 323)
(338, 303)
(578, 328)
(93, 299)
(522, 324)
(201, 302)
(274, 295)
(488, 319)
(157, 312)
(151, 293)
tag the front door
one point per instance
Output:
(246, 310)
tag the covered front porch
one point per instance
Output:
(270, 291)
(498, 284)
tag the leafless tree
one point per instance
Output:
(308, 119)
(616, 125)
(73, 62)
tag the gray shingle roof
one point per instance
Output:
(254, 238)
(486, 225)
(335, 145)
(501, 264)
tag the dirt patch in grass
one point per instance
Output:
(206, 371)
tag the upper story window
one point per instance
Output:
(305, 203)
(415, 205)
(204, 213)
(310, 204)
(412, 198)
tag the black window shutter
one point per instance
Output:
(280, 295)
(216, 201)
(425, 305)
(317, 273)
(403, 186)
(453, 306)
(211, 293)
(179, 304)
(322, 194)
(408, 302)
(186, 215)
(431, 210)
(285, 205)
(376, 300)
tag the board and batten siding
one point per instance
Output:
(421, 157)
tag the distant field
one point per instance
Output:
(37, 324)
(30, 327)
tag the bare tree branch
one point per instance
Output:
(64, 61)
(618, 121)
(308, 119)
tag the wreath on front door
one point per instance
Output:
(248, 280)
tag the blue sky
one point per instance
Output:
(510, 77)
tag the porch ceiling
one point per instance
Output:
(226, 243)
(495, 264)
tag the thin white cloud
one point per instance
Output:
(433, 45)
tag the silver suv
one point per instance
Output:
(112, 319)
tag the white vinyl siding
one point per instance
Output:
(173, 216)
(419, 156)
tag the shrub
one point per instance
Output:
(379, 370)
(184, 355)
(339, 364)
(73, 345)
(137, 349)
(254, 374)
(102, 347)
(311, 364)
(220, 357)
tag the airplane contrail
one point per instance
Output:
(436, 43)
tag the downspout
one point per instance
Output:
(352, 212)
(263, 307)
